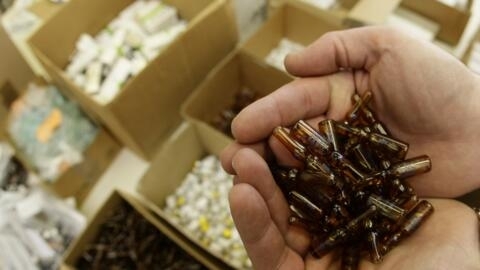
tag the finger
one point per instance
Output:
(262, 239)
(301, 99)
(253, 170)
(229, 152)
(358, 48)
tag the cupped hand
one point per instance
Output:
(447, 240)
(423, 96)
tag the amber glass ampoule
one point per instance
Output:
(363, 158)
(397, 148)
(305, 206)
(374, 242)
(340, 235)
(386, 208)
(350, 258)
(313, 140)
(293, 146)
(410, 167)
(285, 177)
(327, 127)
(342, 165)
(354, 114)
(411, 223)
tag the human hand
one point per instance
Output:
(423, 95)
(447, 240)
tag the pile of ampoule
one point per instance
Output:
(350, 192)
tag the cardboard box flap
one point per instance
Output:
(167, 173)
(13, 67)
(451, 20)
(296, 21)
(371, 12)
(218, 91)
(159, 181)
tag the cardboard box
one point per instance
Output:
(166, 173)
(147, 109)
(353, 13)
(14, 70)
(79, 179)
(93, 227)
(294, 21)
(452, 21)
(339, 11)
(218, 91)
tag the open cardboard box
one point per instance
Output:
(169, 168)
(452, 21)
(218, 91)
(147, 108)
(104, 213)
(79, 179)
(294, 21)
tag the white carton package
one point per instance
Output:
(138, 34)
(159, 19)
(93, 78)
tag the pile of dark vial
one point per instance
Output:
(350, 193)
(223, 121)
(128, 241)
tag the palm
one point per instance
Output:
(441, 243)
(424, 96)
(447, 240)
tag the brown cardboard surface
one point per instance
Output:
(169, 167)
(45, 8)
(79, 179)
(293, 20)
(451, 20)
(365, 12)
(218, 91)
(93, 227)
(371, 12)
(339, 11)
(147, 109)
(13, 67)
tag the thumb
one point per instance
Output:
(358, 48)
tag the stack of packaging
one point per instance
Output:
(200, 206)
(102, 65)
(51, 131)
(35, 229)
(127, 240)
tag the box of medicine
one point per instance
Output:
(132, 63)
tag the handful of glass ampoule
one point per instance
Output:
(351, 192)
